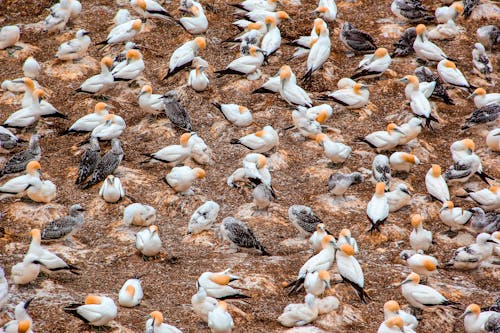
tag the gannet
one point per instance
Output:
(95, 311)
(450, 74)
(181, 178)
(27, 116)
(176, 113)
(217, 285)
(392, 309)
(173, 155)
(378, 208)
(403, 161)
(8, 140)
(471, 256)
(20, 160)
(155, 324)
(384, 140)
(271, 41)
(31, 68)
(237, 115)
(254, 166)
(20, 314)
(112, 127)
(200, 152)
(60, 14)
(469, 6)
(446, 13)
(350, 270)
(345, 237)
(90, 159)
(411, 130)
(22, 183)
(259, 15)
(398, 198)
(121, 16)
(421, 296)
(123, 32)
(300, 314)
(203, 217)
(101, 82)
(303, 219)
(250, 5)
(321, 261)
(108, 163)
(263, 194)
(76, 48)
(184, 55)
(247, 64)
(66, 226)
(475, 320)
(90, 121)
(482, 115)
(198, 23)
(436, 185)
(131, 293)
(149, 9)
(307, 125)
(148, 241)
(446, 31)
(198, 79)
(239, 235)
(454, 217)
(488, 35)
(354, 97)
(373, 65)
(139, 214)
(4, 289)
(392, 325)
(290, 91)
(481, 98)
(488, 199)
(317, 237)
(203, 304)
(9, 36)
(419, 104)
(420, 238)
(111, 189)
(355, 39)
(426, 49)
(327, 10)
(45, 192)
(493, 139)
(319, 52)
(219, 320)
(404, 45)
(304, 43)
(338, 183)
(25, 271)
(410, 10)
(381, 170)
(316, 282)
(133, 68)
(259, 142)
(45, 257)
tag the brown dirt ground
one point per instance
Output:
(168, 284)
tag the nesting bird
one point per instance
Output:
(338, 183)
(420, 238)
(240, 235)
(181, 178)
(237, 115)
(76, 48)
(139, 214)
(101, 82)
(203, 217)
(131, 293)
(184, 55)
(95, 311)
(219, 320)
(259, 142)
(378, 208)
(373, 65)
(421, 296)
(111, 189)
(336, 152)
(148, 241)
(66, 226)
(436, 185)
(9, 36)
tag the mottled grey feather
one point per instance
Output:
(357, 40)
(17, 163)
(108, 164)
(424, 74)
(240, 234)
(486, 114)
(175, 112)
(64, 226)
(304, 217)
(404, 46)
(90, 159)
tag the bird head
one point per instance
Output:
(471, 309)
(282, 15)
(413, 277)
(459, 8)
(184, 139)
(23, 326)
(347, 249)
(137, 24)
(436, 170)
(35, 234)
(261, 161)
(328, 240)
(391, 306)
(147, 89)
(321, 118)
(449, 64)
(32, 167)
(478, 92)
(381, 52)
(429, 265)
(321, 137)
(420, 29)
(380, 189)
(220, 279)
(199, 172)
(157, 318)
(153, 228)
(416, 220)
(242, 109)
(447, 205)
(201, 42)
(130, 290)
(92, 299)
(395, 321)
(107, 61)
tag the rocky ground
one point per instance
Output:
(105, 249)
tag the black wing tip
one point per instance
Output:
(234, 141)
(262, 90)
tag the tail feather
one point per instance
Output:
(235, 142)
(262, 90)
(228, 71)
(364, 73)
(307, 76)
(72, 310)
(361, 139)
(235, 296)
(55, 115)
(359, 290)
(484, 177)
(295, 285)
(263, 250)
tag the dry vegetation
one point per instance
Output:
(106, 252)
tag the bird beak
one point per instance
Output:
(402, 283)
(328, 284)
(404, 80)
(464, 314)
(444, 208)
(471, 95)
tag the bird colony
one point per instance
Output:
(262, 166)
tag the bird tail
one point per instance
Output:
(235, 296)
(262, 90)
(55, 115)
(296, 285)
(484, 177)
(72, 310)
(227, 71)
(217, 105)
(235, 142)
(263, 250)
(307, 76)
(361, 139)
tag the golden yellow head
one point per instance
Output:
(321, 9)
(184, 139)
(157, 317)
(130, 290)
(137, 24)
(347, 249)
(436, 170)
(285, 72)
(381, 52)
(344, 233)
(416, 220)
(449, 204)
(270, 20)
(23, 326)
(147, 89)
(282, 15)
(199, 172)
(201, 42)
(259, 134)
(473, 308)
(321, 118)
(395, 321)
(35, 233)
(479, 91)
(220, 279)
(153, 228)
(449, 64)
(429, 265)
(327, 240)
(469, 144)
(92, 299)
(380, 188)
(107, 61)
(109, 116)
(494, 189)
(222, 305)
(133, 54)
(408, 158)
(254, 26)
(33, 166)
(414, 277)
(30, 85)
(458, 7)
(391, 306)
(242, 109)
(321, 137)
(391, 127)
(420, 29)
(324, 275)
(261, 162)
